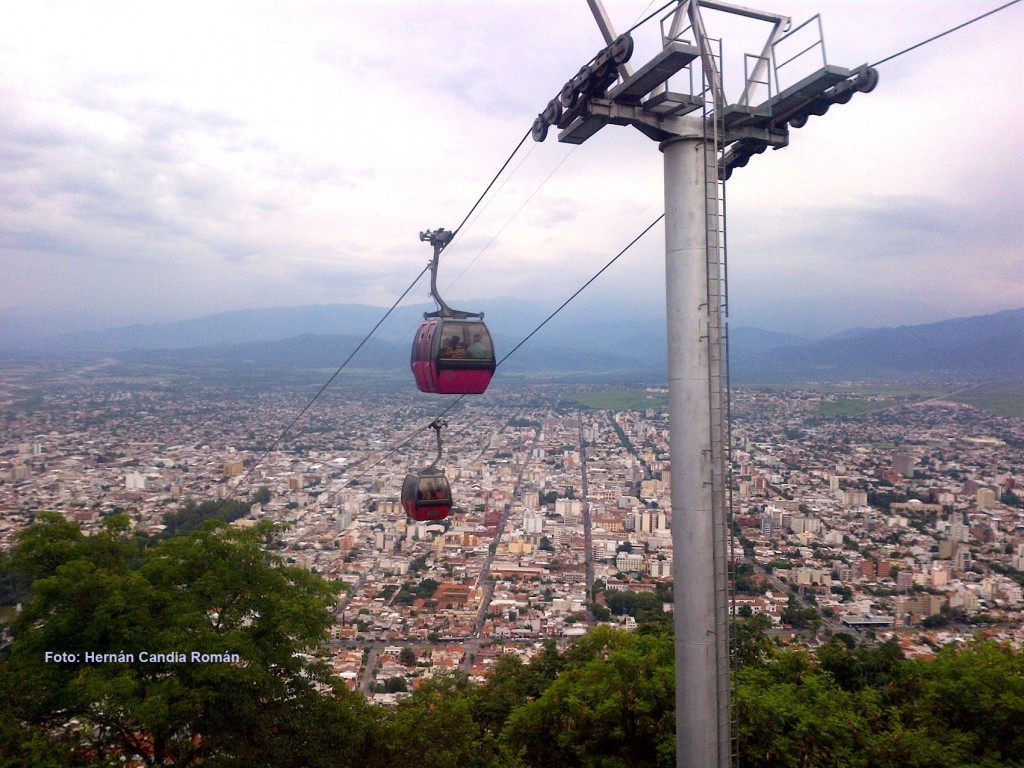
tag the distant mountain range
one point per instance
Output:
(312, 337)
(974, 348)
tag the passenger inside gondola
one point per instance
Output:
(477, 349)
(431, 489)
(454, 349)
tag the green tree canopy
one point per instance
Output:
(611, 706)
(215, 592)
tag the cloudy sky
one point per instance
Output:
(161, 161)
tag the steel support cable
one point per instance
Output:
(481, 251)
(514, 215)
(640, 15)
(496, 176)
(460, 398)
(398, 447)
(582, 288)
(947, 32)
(501, 170)
(294, 421)
(650, 16)
(501, 186)
(519, 146)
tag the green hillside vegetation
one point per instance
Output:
(607, 701)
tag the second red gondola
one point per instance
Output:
(426, 494)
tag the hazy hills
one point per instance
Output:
(313, 337)
(982, 347)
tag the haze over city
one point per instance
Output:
(162, 163)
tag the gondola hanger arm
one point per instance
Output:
(439, 239)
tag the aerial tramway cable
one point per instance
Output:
(582, 288)
(933, 38)
(488, 188)
(308, 405)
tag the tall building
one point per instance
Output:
(903, 463)
(866, 569)
(533, 523)
(959, 530)
(649, 521)
(661, 569)
(629, 561)
(569, 509)
(986, 498)
(135, 481)
(1017, 561)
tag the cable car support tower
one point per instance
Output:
(702, 138)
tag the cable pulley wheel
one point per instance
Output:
(867, 80)
(582, 79)
(820, 107)
(552, 112)
(540, 129)
(567, 98)
(621, 49)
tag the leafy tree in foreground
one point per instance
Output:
(254, 702)
(611, 706)
(435, 728)
(971, 702)
(791, 715)
(868, 706)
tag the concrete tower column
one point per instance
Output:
(693, 541)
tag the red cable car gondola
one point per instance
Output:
(426, 494)
(452, 353)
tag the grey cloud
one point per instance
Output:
(1016, 271)
(881, 228)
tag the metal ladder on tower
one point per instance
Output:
(717, 341)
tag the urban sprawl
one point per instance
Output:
(905, 521)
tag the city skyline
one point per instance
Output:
(168, 165)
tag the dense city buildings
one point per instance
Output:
(907, 519)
